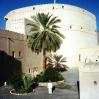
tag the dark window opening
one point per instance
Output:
(53, 7)
(29, 70)
(6, 19)
(13, 53)
(79, 57)
(95, 82)
(27, 36)
(81, 27)
(62, 6)
(85, 60)
(19, 53)
(33, 8)
(96, 60)
(70, 26)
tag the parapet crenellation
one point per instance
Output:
(45, 7)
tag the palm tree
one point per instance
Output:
(57, 62)
(44, 35)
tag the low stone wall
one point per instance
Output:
(45, 84)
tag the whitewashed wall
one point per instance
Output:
(89, 81)
(89, 73)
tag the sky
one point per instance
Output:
(8, 5)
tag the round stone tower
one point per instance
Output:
(77, 25)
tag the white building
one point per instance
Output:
(77, 24)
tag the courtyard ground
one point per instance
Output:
(40, 93)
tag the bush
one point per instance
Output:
(39, 78)
(50, 74)
(27, 82)
(53, 75)
(21, 83)
(15, 81)
(60, 69)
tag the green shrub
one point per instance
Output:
(53, 75)
(39, 77)
(27, 82)
(15, 81)
(50, 74)
(21, 83)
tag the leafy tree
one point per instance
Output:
(58, 62)
(44, 35)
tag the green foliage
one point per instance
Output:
(53, 75)
(21, 83)
(50, 74)
(39, 78)
(57, 62)
(27, 82)
(15, 81)
(44, 33)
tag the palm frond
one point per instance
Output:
(57, 62)
(53, 21)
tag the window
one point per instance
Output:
(85, 60)
(79, 57)
(29, 70)
(13, 53)
(81, 27)
(33, 8)
(62, 6)
(19, 53)
(53, 7)
(27, 36)
(70, 26)
(6, 19)
(96, 60)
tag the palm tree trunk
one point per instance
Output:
(44, 59)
